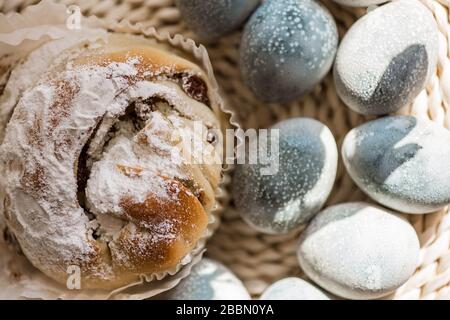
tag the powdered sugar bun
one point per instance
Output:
(87, 160)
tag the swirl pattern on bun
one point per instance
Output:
(94, 161)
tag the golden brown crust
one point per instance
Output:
(49, 167)
(187, 220)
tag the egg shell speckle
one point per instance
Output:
(293, 289)
(279, 203)
(358, 251)
(360, 3)
(401, 162)
(387, 57)
(208, 280)
(288, 46)
(212, 19)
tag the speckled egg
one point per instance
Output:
(208, 280)
(279, 202)
(212, 19)
(293, 289)
(401, 162)
(358, 251)
(360, 3)
(288, 46)
(386, 58)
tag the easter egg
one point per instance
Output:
(279, 200)
(288, 46)
(359, 3)
(208, 280)
(401, 162)
(212, 19)
(293, 289)
(386, 58)
(358, 251)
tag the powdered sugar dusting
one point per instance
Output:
(72, 106)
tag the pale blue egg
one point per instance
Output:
(360, 3)
(402, 162)
(281, 201)
(288, 46)
(211, 19)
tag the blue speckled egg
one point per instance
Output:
(212, 19)
(288, 46)
(386, 58)
(208, 280)
(360, 3)
(358, 251)
(401, 162)
(285, 199)
(293, 289)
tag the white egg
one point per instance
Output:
(358, 251)
(208, 280)
(387, 57)
(293, 289)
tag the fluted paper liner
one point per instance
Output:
(22, 33)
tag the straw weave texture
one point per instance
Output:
(258, 259)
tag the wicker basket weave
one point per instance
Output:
(259, 259)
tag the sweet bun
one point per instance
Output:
(93, 160)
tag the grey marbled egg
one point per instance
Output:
(288, 46)
(212, 19)
(401, 162)
(358, 251)
(360, 3)
(293, 289)
(280, 202)
(386, 58)
(208, 280)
